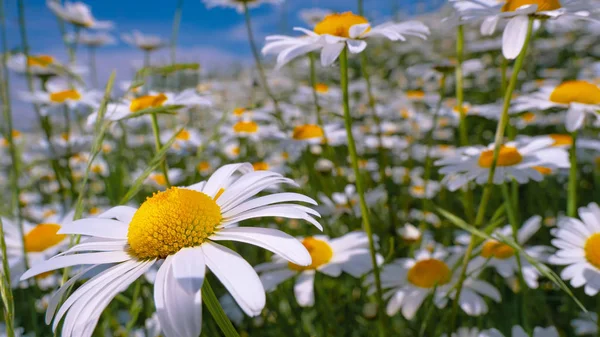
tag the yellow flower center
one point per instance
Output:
(49, 213)
(497, 250)
(576, 92)
(42, 237)
(307, 131)
(260, 166)
(159, 179)
(415, 94)
(146, 102)
(320, 252)
(40, 61)
(183, 135)
(543, 5)
(171, 220)
(65, 136)
(239, 111)
(418, 189)
(592, 250)
(62, 96)
(528, 117)
(94, 211)
(508, 156)
(245, 127)
(338, 24)
(465, 109)
(321, 88)
(543, 170)
(203, 166)
(560, 140)
(429, 273)
(96, 169)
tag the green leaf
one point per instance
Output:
(164, 110)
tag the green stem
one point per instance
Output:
(460, 97)
(158, 146)
(5, 285)
(215, 309)
(572, 189)
(512, 218)
(360, 184)
(487, 191)
(259, 67)
(313, 83)
(175, 33)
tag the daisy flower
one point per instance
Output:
(178, 227)
(157, 179)
(518, 331)
(578, 243)
(39, 65)
(578, 98)
(517, 13)
(502, 257)
(409, 281)
(92, 39)
(348, 253)
(40, 242)
(522, 161)
(143, 41)
(78, 14)
(335, 32)
(59, 93)
(586, 324)
(239, 5)
(186, 140)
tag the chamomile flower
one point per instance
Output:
(578, 98)
(522, 161)
(38, 64)
(144, 42)
(40, 242)
(92, 40)
(334, 33)
(586, 324)
(348, 253)
(578, 242)
(409, 233)
(59, 93)
(502, 257)
(517, 12)
(518, 331)
(179, 227)
(186, 140)
(158, 180)
(239, 5)
(78, 14)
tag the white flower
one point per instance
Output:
(348, 253)
(59, 93)
(334, 33)
(518, 331)
(578, 242)
(179, 227)
(239, 4)
(522, 161)
(143, 41)
(77, 13)
(586, 324)
(92, 39)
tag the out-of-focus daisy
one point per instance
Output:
(39, 65)
(348, 253)
(144, 42)
(517, 12)
(578, 243)
(158, 180)
(78, 14)
(409, 281)
(40, 242)
(502, 257)
(239, 5)
(333, 134)
(312, 16)
(178, 227)
(522, 161)
(518, 331)
(586, 324)
(59, 93)
(579, 98)
(94, 40)
(422, 189)
(186, 139)
(334, 33)
(409, 233)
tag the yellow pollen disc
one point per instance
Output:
(508, 156)
(94, 211)
(465, 109)
(239, 111)
(543, 170)
(183, 135)
(171, 220)
(260, 166)
(106, 148)
(320, 252)
(576, 92)
(497, 250)
(321, 88)
(65, 136)
(96, 169)
(418, 189)
(429, 273)
(42, 237)
(543, 5)
(245, 127)
(560, 140)
(592, 250)
(236, 150)
(159, 179)
(203, 166)
(338, 24)
(49, 213)
(285, 155)
(146, 102)
(40, 60)
(414, 94)
(62, 96)
(528, 117)
(307, 131)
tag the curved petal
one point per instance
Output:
(188, 269)
(103, 228)
(514, 36)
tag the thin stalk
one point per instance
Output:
(93, 68)
(460, 96)
(487, 191)
(214, 307)
(6, 289)
(313, 83)
(360, 187)
(175, 33)
(259, 67)
(572, 189)
(361, 8)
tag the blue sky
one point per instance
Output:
(214, 37)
